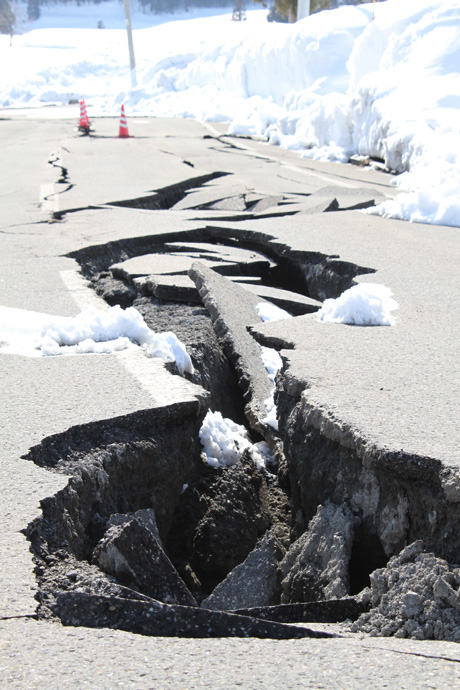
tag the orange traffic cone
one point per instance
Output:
(84, 120)
(123, 124)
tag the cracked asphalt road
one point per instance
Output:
(42, 397)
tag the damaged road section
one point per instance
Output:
(99, 544)
(332, 464)
(129, 545)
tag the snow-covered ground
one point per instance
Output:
(334, 84)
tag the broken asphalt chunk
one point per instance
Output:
(332, 611)
(232, 310)
(334, 198)
(132, 554)
(255, 582)
(162, 620)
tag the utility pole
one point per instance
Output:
(303, 9)
(132, 62)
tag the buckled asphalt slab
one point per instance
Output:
(415, 363)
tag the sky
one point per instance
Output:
(335, 84)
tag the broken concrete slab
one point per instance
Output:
(171, 264)
(316, 566)
(132, 554)
(213, 192)
(144, 515)
(331, 611)
(233, 203)
(154, 618)
(220, 196)
(221, 250)
(262, 205)
(253, 583)
(232, 309)
(293, 302)
(333, 198)
(178, 288)
(155, 263)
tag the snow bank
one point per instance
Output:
(366, 304)
(331, 85)
(99, 330)
(224, 442)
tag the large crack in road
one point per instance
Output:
(148, 537)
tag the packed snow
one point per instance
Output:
(271, 358)
(334, 84)
(224, 442)
(271, 312)
(95, 331)
(366, 304)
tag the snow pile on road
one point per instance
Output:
(108, 330)
(366, 304)
(95, 331)
(334, 84)
(224, 442)
(270, 312)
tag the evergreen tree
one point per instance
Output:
(7, 18)
(33, 9)
(288, 8)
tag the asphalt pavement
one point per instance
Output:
(397, 388)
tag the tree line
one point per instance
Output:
(285, 10)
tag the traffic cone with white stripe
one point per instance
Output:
(84, 120)
(123, 133)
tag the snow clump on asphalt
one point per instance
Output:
(366, 304)
(270, 312)
(109, 330)
(224, 442)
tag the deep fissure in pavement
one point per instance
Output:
(147, 537)
(127, 529)
(167, 197)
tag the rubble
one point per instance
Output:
(149, 617)
(417, 596)
(237, 513)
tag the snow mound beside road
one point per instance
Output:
(367, 304)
